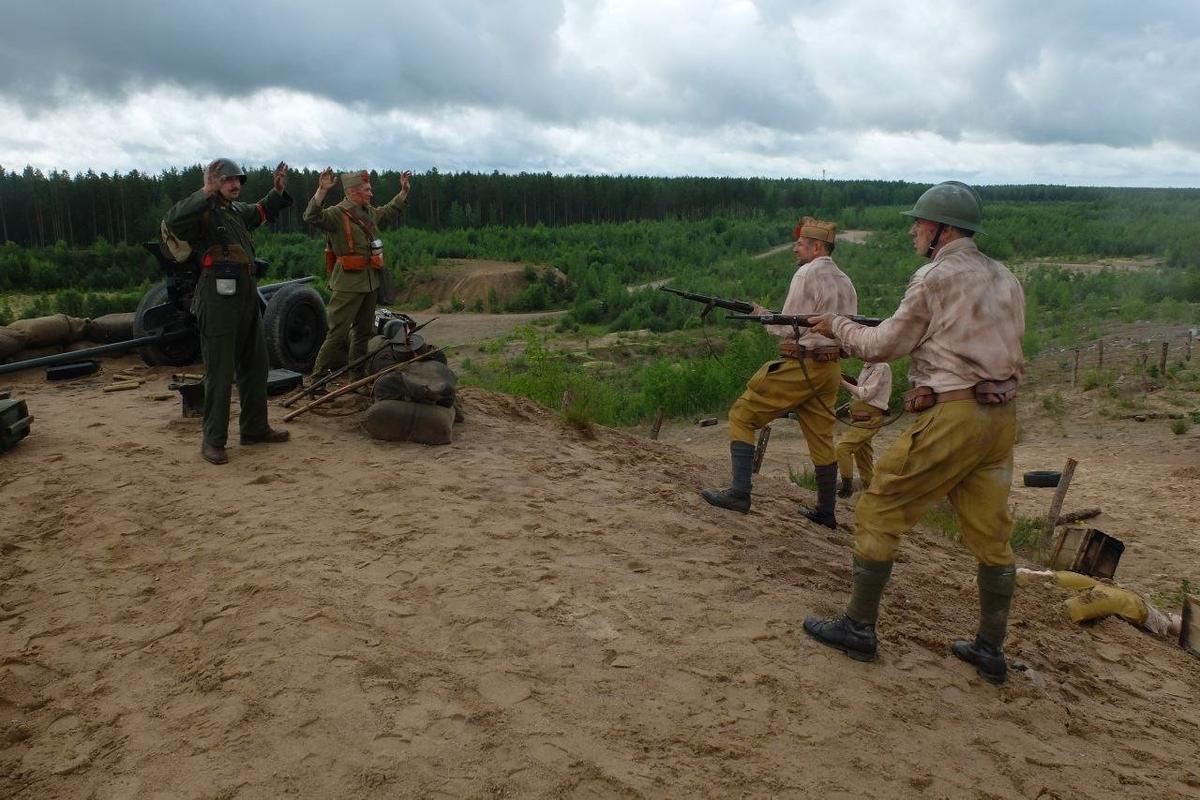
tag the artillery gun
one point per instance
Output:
(166, 333)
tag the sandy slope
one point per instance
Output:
(525, 613)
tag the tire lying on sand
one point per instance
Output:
(402, 421)
(1042, 478)
(174, 353)
(294, 324)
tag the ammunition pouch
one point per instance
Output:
(226, 274)
(819, 354)
(355, 263)
(986, 393)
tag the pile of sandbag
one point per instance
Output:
(31, 337)
(414, 404)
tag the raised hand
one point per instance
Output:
(326, 180)
(280, 178)
(212, 179)
(405, 177)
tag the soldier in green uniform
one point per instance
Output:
(354, 258)
(217, 226)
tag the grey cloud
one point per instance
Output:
(1076, 72)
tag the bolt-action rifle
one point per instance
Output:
(800, 320)
(739, 306)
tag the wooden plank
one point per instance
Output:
(760, 449)
(1189, 634)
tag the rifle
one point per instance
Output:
(800, 320)
(740, 306)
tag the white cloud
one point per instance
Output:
(1005, 90)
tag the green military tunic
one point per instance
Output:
(351, 310)
(231, 331)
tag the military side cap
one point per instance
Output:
(817, 229)
(352, 180)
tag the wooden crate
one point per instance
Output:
(1087, 551)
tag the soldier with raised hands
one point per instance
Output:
(961, 319)
(355, 262)
(217, 226)
(803, 379)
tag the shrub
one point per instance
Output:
(1180, 426)
(807, 478)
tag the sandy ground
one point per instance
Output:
(530, 612)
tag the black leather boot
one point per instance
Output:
(988, 659)
(854, 632)
(996, 586)
(823, 514)
(737, 496)
(855, 639)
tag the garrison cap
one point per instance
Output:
(817, 229)
(352, 180)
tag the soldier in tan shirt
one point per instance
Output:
(355, 254)
(804, 378)
(871, 392)
(962, 318)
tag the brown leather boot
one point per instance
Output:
(213, 454)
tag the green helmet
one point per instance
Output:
(229, 169)
(951, 202)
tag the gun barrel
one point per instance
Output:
(740, 306)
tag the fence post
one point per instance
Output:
(1162, 361)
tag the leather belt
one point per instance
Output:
(818, 354)
(955, 394)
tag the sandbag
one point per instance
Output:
(12, 341)
(110, 328)
(401, 421)
(57, 329)
(427, 382)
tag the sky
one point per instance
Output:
(1052, 91)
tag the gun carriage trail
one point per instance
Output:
(536, 612)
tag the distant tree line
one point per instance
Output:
(39, 209)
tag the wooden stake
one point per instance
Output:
(1100, 356)
(1188, 353)
(760, 449)
(1162, 361)
(1060, 494)
(567, 398)
(657, 426)
(1075, 371)
(1076, 516)
(1189, 633)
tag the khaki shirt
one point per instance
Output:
(874, 385)
(330, 220)
(818, 287)
(962, 319)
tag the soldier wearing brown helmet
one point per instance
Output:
(804, 379)
(217, 225)
(354, 258)
(961, 319)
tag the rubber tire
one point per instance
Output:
(294, 323)
(1042, 478)
(177, 353)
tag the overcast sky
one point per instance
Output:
(1023, 91)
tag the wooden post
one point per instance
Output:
(1189, 632)
(1100, 356)
(1076, 516)
(1060, 494)
(657, 426)
(760, 449)
(1162, 361)
(1188, 352)
(1075, 370)
(567, 398)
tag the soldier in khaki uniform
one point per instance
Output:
(355, 258)
(804, 378)
(961, 319)
(217, 227)
(871, 393)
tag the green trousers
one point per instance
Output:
(234, 348)
(351, 326)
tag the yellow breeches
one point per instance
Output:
(781, 386)
(855, 446)
(960, 450)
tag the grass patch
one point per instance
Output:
(1173, 600)
(1180, 426)
(807, 478)
(1028, 537)
(1054, 406)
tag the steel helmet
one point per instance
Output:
(950, 202)
(229, 169)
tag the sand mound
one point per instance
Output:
(522, 613)
(485, 285)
